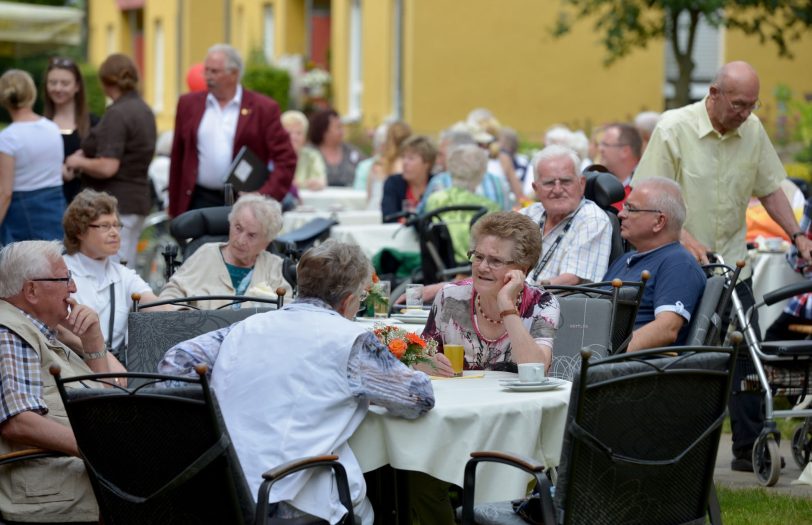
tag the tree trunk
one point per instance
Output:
(684, 57)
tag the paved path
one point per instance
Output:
(724, 476)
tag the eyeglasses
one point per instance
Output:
(65, 280)
(564, 182)
(106, 227)
(494, 263)
(631, 209)
(739, 106)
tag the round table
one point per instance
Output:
(470, 414)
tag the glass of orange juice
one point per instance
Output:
(456, 354)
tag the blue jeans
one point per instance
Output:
(34, 215)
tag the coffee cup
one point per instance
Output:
(531, 372)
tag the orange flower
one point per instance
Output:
(375, 277)
(397, 347)
(416, 339)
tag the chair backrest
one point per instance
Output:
(602, 187)
(151, 334)
(158, 455)
(438, 262)
(624, 299)
(706, 320)
(194, 228)
(641, 437)
(585, 322)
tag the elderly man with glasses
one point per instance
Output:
(576, 233)
(651, 220)
(720, 155)
(36, 306)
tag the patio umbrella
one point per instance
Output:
(27, 29)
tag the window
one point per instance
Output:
(159, 80)
(268, 33)
(356, 87)
(707, 56)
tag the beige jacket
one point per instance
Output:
(48, 489)
(205, 273)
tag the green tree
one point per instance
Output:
(625, 25)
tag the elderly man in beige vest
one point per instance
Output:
(35, 309)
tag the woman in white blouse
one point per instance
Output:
(92, 236)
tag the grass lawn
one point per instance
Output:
(761, 507)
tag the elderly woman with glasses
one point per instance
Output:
(92, 237)
(231, 268)
(499, 319)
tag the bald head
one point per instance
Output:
(733, 95)
(737, 76)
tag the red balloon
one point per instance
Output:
(195, 78)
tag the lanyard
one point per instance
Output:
(547, 256)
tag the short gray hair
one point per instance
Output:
(293, 116)
(555, 151)
(456, 137)
(665, 196)
(233, 58)
(333, 270)
(645, 122)
(266, 211)
(26, 260)
(467, 165)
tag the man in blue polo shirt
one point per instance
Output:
(651, 220)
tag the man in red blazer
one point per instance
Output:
(212, 126)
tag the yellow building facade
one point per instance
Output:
(428, 62)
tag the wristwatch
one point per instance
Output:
(795, 236)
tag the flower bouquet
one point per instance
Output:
(410, 348)
(377, 301)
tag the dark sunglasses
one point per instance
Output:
(61, 62)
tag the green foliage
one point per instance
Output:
(762, 507)
(96, 102)
(268, 80)
(797, 116)
(626, 25)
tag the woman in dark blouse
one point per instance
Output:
(116, 154)
(65, 103)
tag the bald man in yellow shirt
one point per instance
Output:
(720, 155)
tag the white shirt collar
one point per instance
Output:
(237, 100)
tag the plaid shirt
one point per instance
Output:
(20, 375)
(584, 249)
(801, 305)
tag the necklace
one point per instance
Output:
(482, 312)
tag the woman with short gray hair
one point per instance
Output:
(236, 266)
(320, 368)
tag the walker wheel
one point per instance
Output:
(766, 460)
(801, 446)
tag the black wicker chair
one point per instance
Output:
(163, 455)
(151, 334)
(625, 300)
(639, 447)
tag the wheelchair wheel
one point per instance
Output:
(802, 445)
(766, 460)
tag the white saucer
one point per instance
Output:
(550, 384)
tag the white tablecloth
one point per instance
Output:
(469, 415)
(297, 219)
(374, 237)
(770, 272)
(331, 198)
